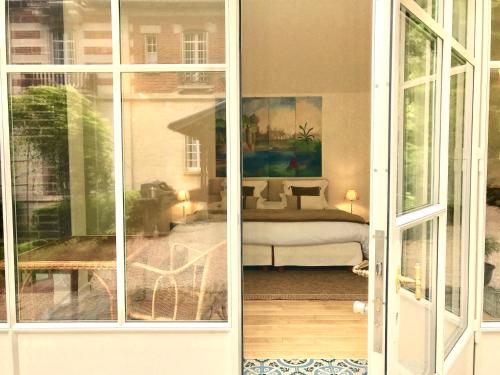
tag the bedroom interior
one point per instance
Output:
(305, 165)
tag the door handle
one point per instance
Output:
(361, 269)
(416, 282)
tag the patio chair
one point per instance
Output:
(196, 280)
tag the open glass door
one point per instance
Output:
(428, 80)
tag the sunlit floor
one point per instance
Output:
(304, 329)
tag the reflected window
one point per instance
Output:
(195, 52)
(48, 32)
(63, 185)
(175, 221)
(184, 29)
(151, 48)
(63, 47)
(193, 155)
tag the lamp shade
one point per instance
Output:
(351, 195)
(182, 195)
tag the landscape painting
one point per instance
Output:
(281, 137)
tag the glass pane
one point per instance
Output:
(430, 6)
(59, 32)
(188, 32)
(3, 304)
(63, 184)
(460, 19)
(457, 256)
(495, 29)
(418, 101)
(492, 249)
(417, 330)
(175, 220)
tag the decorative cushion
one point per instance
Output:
(275, 188)
(247, 191)
(271, 205)
(250, 202)
(305, 202)
(259, 187)
(300, 190)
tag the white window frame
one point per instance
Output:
(150, 48)
(231, 70)
(195, 77)
(488, 65)
(192, 155)
(66, 45)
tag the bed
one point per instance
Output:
(303, 238)
(279, 236)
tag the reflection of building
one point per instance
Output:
(79, 32)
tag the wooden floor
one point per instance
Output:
(303, 329)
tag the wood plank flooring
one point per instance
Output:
(303, 329)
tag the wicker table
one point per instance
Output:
(70, 256)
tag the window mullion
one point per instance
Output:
(6, 177)
(118, 163)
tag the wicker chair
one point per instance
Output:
(194, 284)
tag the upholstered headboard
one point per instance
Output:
(271, 192)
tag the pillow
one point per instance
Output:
(322, 184)
(271, 205)
(305, 202)
(299, 190)
(247, 191)
(250, 202)
(259, 186)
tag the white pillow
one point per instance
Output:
(271, 205)
(259, 186)
(309, 202)
(323, 185)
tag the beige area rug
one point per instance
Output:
(311, 283)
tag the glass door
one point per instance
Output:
(427, 74)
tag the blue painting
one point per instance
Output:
(281, 137)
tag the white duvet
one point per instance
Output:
(305, 233)
(202, 235)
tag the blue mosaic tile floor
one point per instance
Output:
(305, 367)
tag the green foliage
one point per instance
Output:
(133, 212)
(50, 122)
(304, 134)
(492, 246)
(47, 118)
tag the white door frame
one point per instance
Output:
(385, 88)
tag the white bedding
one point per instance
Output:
(203, 235)
(305, 233)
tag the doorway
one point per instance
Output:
(305, 150)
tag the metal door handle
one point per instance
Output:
(416, 282)
(361, 269)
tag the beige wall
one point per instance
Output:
(318, 48)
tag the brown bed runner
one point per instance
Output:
(300, 215)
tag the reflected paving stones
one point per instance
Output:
(305, 366)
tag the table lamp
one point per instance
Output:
(351, 195)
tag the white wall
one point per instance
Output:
(123, 353)
(5, 354)
(487, 352)
(318, 48)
